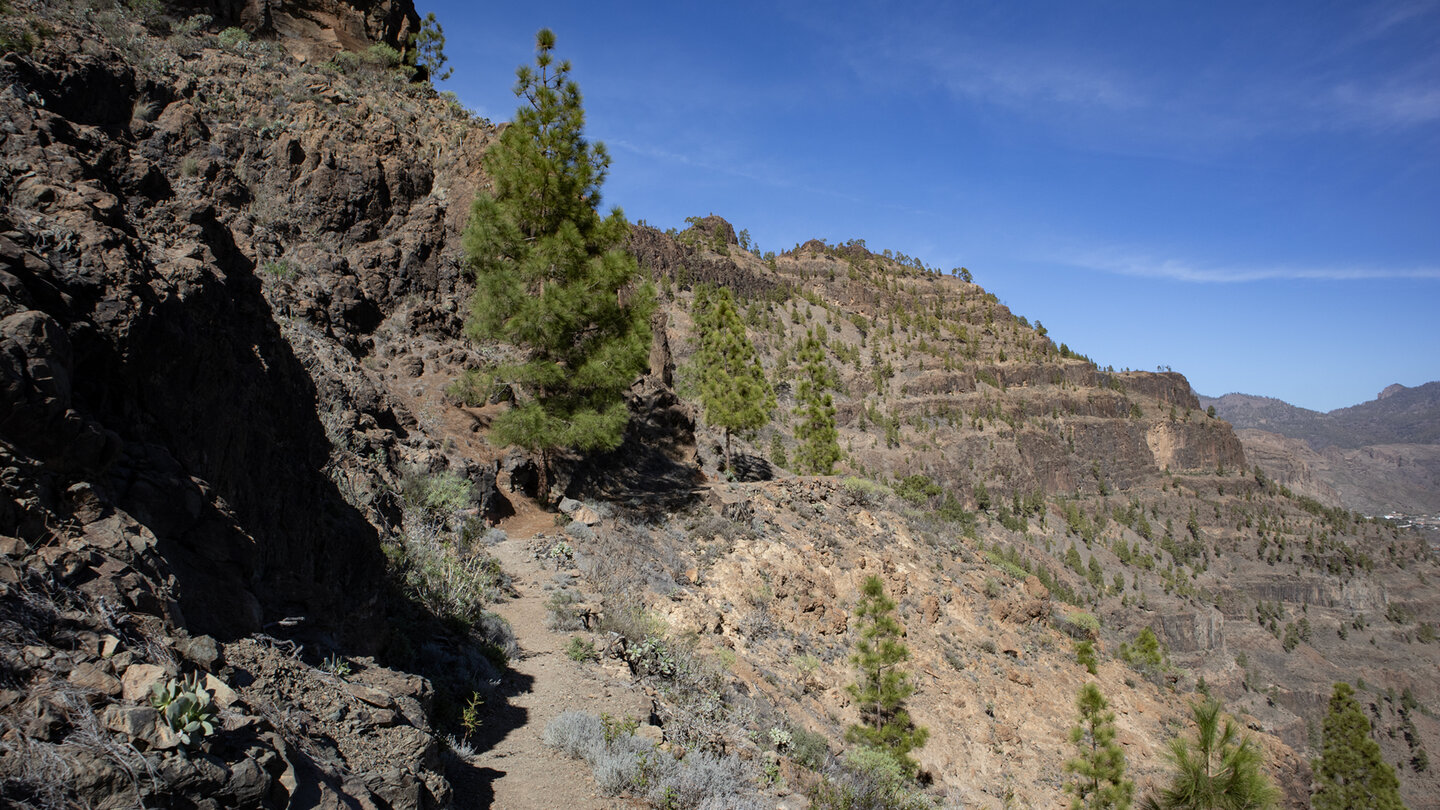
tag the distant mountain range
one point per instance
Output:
(1399, 415)
(1378, 456)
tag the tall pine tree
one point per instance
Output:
(1100, 782)
(1350, 773)
(551, 276)
(819, 445)
(733, 388)
(883, 687)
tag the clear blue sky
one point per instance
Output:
(1247, 192)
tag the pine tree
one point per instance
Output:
(1350, 772)
(427, 49)
(883, 686)
(733, 388)
(777, 452)
(1145, 654)
(819, 445)
(551, 277)
(1100, 782)
(1221, 771)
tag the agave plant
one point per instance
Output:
(186, 706)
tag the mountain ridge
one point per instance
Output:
(1398, 415)
(1378, 456)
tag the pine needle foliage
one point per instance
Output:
(1221, 770)
(1099, 770)
(427, 49)
(733, 388)
(883, 686)
(551, 275)
(819, 441)
(1350, 773)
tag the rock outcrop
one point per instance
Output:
(196, 454)
(315, 29)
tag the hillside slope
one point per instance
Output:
(960, 405)
(234, 297)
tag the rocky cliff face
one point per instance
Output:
(197, 262)
(149, 261)
(314, 29)
(951, 370)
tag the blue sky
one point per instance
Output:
(1248, 193)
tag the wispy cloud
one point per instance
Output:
(1396, 104)
(1026, 80)
(1146, 266)
(1130, 95)
(921, 55)
(1378, 19)
(737, 169)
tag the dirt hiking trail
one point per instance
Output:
(522, 772)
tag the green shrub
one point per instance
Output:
(233, 38)
(865, 491)
(192, 24)
(953, 511)
(1008, 566)
(806, 664)
(867, 778)
(472, 388)
(581, 650)
(1145, 654)
(1081, 625)
(1397, 613)
(345, 61)
(186, 707)
(15, 33)
(1085, 656)
(652, 656)
(808, 748)
(447, 492)
(337, 665)
(450, 585)
(382, 56)
(881, 765)
(917, 489)
(443, 493)
(561, 613)
(279, 268)
(150, 12)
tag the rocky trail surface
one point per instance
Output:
(521, 771)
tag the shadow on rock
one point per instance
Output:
(650, 472)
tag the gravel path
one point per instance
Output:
(521, 772)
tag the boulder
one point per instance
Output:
(135, 683)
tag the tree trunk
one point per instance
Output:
(542, 487)
(728, 467)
